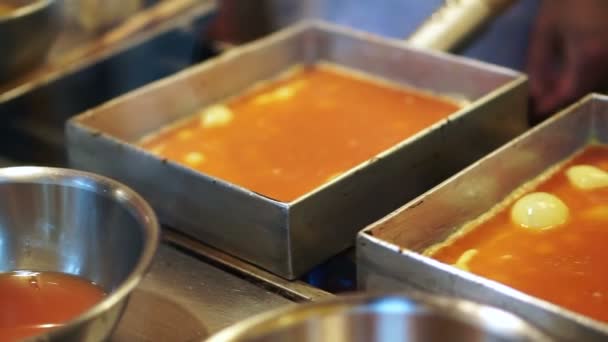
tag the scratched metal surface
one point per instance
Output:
(185, 299)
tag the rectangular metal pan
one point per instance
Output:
(388, 251)
(290, 238)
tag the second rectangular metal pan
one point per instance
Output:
(388, 251)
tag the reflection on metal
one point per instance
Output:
(387, 251)
(295, 290)
(153, 316)
(455, 21)
(184, 299)
(409, 316)
(289, 239)
(22, 46)
(48, 222)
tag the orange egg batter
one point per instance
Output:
(566, 265)
(33, 302)
(289, 136)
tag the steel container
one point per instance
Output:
(388, 251)
(290, 238)
(26, 35)
(77, 223)
(400, 317)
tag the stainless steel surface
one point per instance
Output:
(290, 238)
(296, 290)
(78, 223)
(388, 257)
(183, 298)
(456, 21)
(404, 317)
(26, 35)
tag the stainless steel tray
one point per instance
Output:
(387, 251)
(290, 238)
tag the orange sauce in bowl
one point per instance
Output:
(287, 137)
(565, 265)
(31, 303)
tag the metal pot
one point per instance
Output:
(411, 317)
(82, 224)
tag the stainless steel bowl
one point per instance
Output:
(26, 35)
(412, 317)
(82, 224)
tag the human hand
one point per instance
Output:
(568, 55)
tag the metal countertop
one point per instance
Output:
(183, 298)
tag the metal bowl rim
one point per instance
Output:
(130, 200)
(426, 301)
(26, 10)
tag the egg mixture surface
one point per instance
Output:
(287, 137)
(552, 243)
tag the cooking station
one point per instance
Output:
(227, 254)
